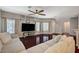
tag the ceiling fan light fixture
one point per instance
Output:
(37, 12)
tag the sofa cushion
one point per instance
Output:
(63, 37)
(53, 41)
(64, 46)
(5, 37)
(13, 46)
(1, 45)
(60, 47)
(69, 39)
(71, 43)
(57, 38)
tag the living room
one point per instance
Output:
(35, 25)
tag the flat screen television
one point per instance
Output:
(28, 27)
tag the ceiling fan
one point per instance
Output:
(38, 12)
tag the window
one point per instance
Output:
(11, 25)
(45, 26)
(37, 26)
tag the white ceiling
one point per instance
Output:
(50, 11)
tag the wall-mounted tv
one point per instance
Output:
(28, 27)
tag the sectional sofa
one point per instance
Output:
(59, 44)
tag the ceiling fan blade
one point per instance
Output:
(43, 14)
(41, 11)
(32, 11)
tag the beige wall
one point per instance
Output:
(59, 25)
(10, 15)
(72, 23)
(18, 27)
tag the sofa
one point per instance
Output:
(59, 44)
(10, 44)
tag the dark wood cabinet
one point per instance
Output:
(30, 41)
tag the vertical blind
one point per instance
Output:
(11, 25)
(38, 26)
(42, 26)
(45, 27)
